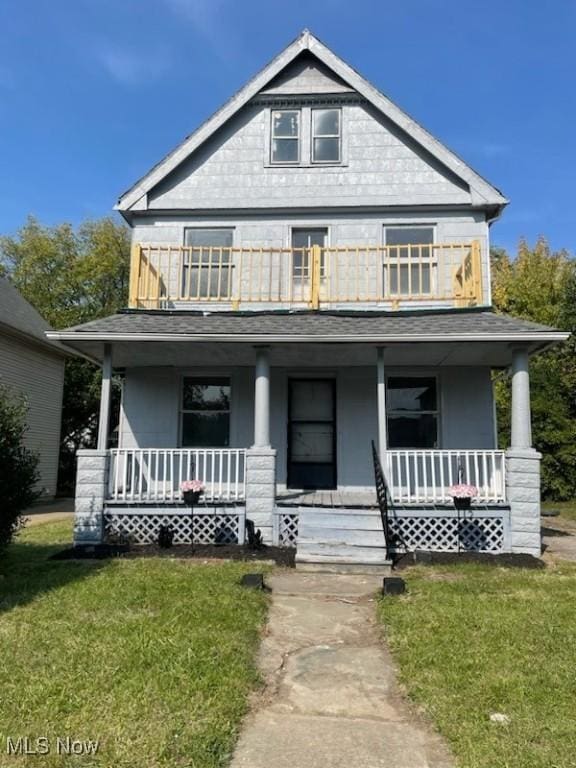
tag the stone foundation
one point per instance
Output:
(261, 489)
(91, 484)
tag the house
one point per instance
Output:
(33, 366)
(310, 272)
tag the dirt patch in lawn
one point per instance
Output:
(504, 560)
(278, 555)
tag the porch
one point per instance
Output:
(297, 414)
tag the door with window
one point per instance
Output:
(303, 241)
(311, 433)
(207, 264)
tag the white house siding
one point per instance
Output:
(152, 396)
(359, 229)
(39, 376)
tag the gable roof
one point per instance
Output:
(482, 193)
(19, 316)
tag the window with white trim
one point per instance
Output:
(326, 135)
(205, 412)
(409, 260)
(285, 136)
(207, 265)
(412, 412)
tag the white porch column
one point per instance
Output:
(261, 458)
(382, 437)
(521, 428)
(262, 399)
(104, 420)
(523, 464)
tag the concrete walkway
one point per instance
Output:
(331, 699)
(53, 512)
(559, 538)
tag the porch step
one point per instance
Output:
(341, 541)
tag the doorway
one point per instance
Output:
(311, 433)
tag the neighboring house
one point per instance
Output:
(310, 272)
(33, 366)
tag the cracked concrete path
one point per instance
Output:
(331, 698)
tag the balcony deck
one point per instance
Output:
(175, 277)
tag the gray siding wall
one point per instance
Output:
(39, 376)
(152, 396)
(380, 167)
(359, 229)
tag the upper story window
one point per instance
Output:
(285, 147)
(326, 135)
(408, 267)
(207, 265)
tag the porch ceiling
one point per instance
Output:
(426, 338)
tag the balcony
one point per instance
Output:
(176, 277)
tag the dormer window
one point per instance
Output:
(285, 147)
(326, 135)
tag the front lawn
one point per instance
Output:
(152, 657)
(472, 640)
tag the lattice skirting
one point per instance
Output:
(448, 534)
(433, 533)
(203, 528)
(287, 529)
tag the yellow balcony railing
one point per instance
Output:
(165, 276)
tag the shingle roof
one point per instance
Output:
(325, 324)
(19, 315)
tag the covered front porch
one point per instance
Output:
(284, 452)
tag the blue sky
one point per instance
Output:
(94, 92)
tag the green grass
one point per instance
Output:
(567, 510)
(471, 640)
(153, 657)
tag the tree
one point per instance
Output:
(540, 285)
(72, 276)
(18, 465)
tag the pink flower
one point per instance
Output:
(192, 485)
(463, 491)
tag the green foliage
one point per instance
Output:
(72, 276)
(18, 465)
(540, 285)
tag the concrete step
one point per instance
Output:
(366, 569)
(353, 521)
(372, 537)
(321, 553)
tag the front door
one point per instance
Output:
(311, 433)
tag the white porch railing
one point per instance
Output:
(419, 476)
(155, 474)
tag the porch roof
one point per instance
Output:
(131, 328)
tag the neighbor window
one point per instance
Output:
(412, 406)
(206, 412)
(326, 135)
(408, 260)
(285, 146)
(207, 267)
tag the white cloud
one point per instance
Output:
(133, 67)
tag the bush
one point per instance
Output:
(18, 465)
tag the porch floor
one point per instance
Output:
(331, 499)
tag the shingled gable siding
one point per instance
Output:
(39, 376)
(231, 170)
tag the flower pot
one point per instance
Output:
(462, 503)
(191, 497)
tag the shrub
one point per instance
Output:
(18, 465)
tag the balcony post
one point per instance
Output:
(523, 464)
(381, 396)
(105, 392)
